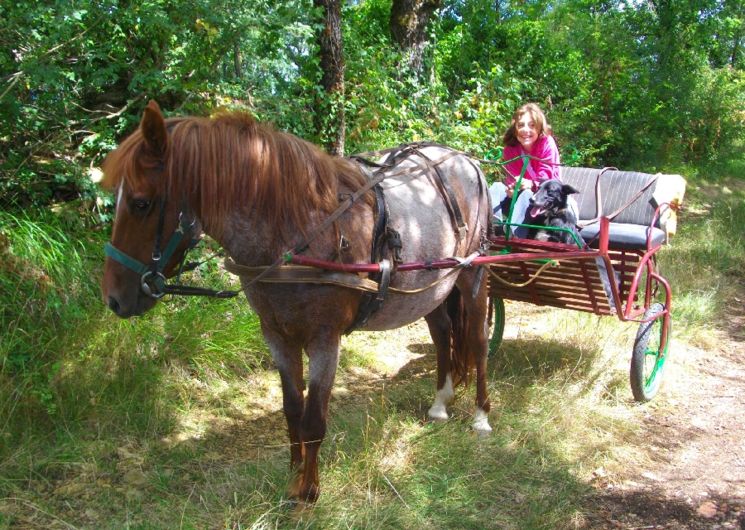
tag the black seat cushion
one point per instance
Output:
(623, 236)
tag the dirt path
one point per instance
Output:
(692, 445)
(690, 470)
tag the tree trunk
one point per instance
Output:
(237, 62)
(330, 119)
(408, 24)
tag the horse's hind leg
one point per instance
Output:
(477, 333)
(440, 328)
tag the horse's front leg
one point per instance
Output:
(288, 358)
(323, 354)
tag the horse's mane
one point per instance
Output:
(232, 161)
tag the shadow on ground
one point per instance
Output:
(647, 509)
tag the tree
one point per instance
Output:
(330, 116)
(408, 25)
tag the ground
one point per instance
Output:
(695, 477)
(687, 463)
(686, 469)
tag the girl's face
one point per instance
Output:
(527, 130)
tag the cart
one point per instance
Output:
(625, 219)
(612, 269)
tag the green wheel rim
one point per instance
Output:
(656, 358)
(648, 357)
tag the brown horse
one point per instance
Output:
(259, 192)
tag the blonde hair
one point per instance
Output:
(510, 137)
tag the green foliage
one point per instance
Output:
(708, 254)
(643, 88)
(150, 414)
(76, 75)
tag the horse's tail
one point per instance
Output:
(462, 356)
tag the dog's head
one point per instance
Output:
(550, 198)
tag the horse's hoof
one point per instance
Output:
(437, 413)
(297, 507)
(303, 496)
(482, 430)
(481, 423)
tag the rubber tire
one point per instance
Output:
(497, 310)
(642, 389)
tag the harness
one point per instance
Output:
(385, 249)
(152, 277)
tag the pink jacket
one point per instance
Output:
(544, 166)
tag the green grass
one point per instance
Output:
(707, 257)
(173, 420)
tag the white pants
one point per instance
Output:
(498, 193)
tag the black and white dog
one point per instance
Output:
(549, 207)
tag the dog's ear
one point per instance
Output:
(566, 189)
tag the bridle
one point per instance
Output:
(152, 277)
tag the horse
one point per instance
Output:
(261, 193)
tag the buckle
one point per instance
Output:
(158, 282)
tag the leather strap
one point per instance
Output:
(302, 274)
(450, 200)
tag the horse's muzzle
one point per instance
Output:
(126, 307)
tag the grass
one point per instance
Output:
(707, 257)
(173, 420)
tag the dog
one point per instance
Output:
(549, 207)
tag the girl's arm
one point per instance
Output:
(514, 167)
(547, 165)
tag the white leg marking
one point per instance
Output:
(438, 410)
(481, 421)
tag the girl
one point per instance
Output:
(528, 134)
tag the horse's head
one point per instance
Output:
(152, 231)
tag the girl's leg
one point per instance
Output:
(498, 193)
(518, 214)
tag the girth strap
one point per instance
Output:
(385, 240)
(371, 302)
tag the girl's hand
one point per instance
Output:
(509, 190)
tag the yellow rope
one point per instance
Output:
(308, 274)
(533, 278)
(422, 289)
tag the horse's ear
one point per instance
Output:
(154, 128)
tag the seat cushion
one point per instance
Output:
(623, 236)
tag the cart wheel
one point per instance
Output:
(497, 309)
(649, 355)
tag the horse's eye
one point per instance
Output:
(141, 205)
